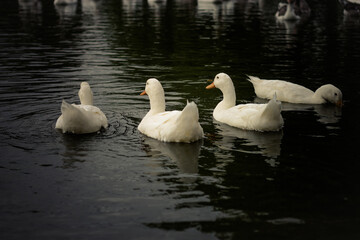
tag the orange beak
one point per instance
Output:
(339, 103)
(212, 85)
(143, 93)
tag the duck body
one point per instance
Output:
(294, 93)
(259, 117)
(80, 119)
(286, 12)
(169, 126)
(293, 10)
(83, 118)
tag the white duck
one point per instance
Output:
(83, 118)
(169, 126)
(293, 10)
(351, 7)
(294, 93)
(259, 117)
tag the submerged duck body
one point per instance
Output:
(83, 118)
(259, 117)
(169, 126)
(294, 93)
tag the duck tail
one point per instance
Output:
(66, 107)
(189, 113)
(188, 123)
(272, 110)
(253, 79)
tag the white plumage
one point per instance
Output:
(286, 12)
(293, 10)
(294, 93)
(83, 118)
(259, 117)
(169, 126)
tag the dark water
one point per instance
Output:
(300, 183)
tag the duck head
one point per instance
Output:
(153, 87)
(156, 95)
(221, 80)
(331, 94)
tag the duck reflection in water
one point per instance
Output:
(185, 155)
(268, 143)
(351, 11)
(351, 7)
(76, 149)
(67, 7)
(292, 15)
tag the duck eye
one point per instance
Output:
(335, 94)
(217, 77)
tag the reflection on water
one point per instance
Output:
(268, 143)
(328, 114)
(66, 9)
(184, 155)
(76, 149)
(291, 28)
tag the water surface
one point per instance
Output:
(299, 183)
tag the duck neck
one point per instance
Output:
(229, 96)
(87, 100)
(290, 11)
(86, 96)
(319, 94)
(157, 103)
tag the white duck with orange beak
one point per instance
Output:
(169, 126)
(259, 117)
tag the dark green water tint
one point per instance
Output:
(299, 183)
